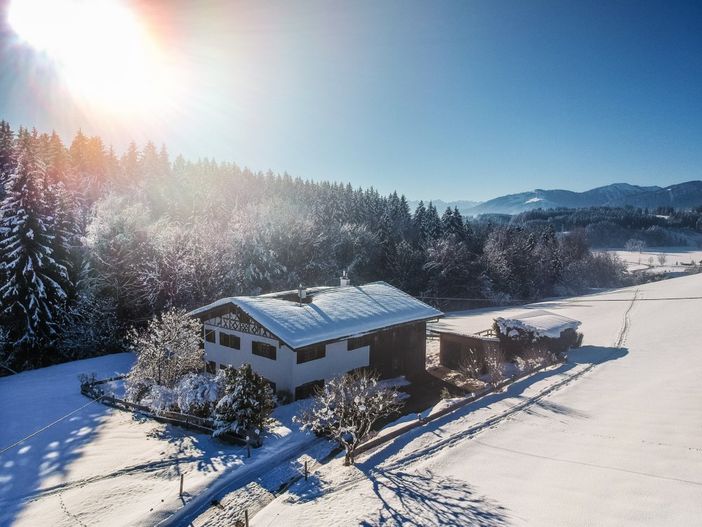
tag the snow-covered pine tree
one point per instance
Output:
(246, 406)
(431, 227)
(61, 222)
(7, 141)
(32, 300)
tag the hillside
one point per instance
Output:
(682, 195)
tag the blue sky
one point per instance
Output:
(450, 100)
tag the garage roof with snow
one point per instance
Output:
(540, 322)
(332, 314)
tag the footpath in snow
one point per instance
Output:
(612, 437)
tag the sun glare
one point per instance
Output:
(101, 49)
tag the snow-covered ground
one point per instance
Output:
(611, 437)
(102, 466)
(648, 260)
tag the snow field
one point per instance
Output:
(609, 438)
(102, 466)
(636, 261)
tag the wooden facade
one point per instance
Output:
(454, 349)
(401, 350)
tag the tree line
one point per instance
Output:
(614, 226)
(93, 243)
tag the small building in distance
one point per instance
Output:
(298, 339)
(511, 336)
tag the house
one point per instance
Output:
(299, 339)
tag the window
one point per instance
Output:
(230, 341)
(309, 353)
(359, 342)
(209, 335)
(308, 389)
(211, 367)
(263, 350)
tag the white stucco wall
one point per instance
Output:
(284, 371)
(338, 360)
(279, 371)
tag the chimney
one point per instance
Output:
(302, 293)
(344, 281)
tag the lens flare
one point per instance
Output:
(102, 51)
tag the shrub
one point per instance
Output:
(160, 399)
(137, 388)
(197, 393)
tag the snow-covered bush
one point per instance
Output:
(246, 406)
(136, 388)
(167, 349)
(160, 399)
(198, 393)
(346, 408)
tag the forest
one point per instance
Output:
(613, 227)
(93, 243)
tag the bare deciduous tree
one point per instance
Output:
(470, 365)
(346, 408)
(494, 361)
(167, 349)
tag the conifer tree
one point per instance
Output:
(246, 406)
(32, 300)
(7, 140)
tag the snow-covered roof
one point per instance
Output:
(541, 322)
(332, 314)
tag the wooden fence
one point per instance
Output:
(91, 389)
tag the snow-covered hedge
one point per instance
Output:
(518, 341)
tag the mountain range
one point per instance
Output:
(681, 195)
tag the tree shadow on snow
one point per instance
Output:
(586, 355)
(426, 498)
(195, 447)
(49, 454)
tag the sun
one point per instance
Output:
(100, 48)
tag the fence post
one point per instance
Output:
(181, 485)
(246, 517)
(305, 470)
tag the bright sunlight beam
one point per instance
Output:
(101, 49)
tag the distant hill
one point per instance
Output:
(682, 195)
